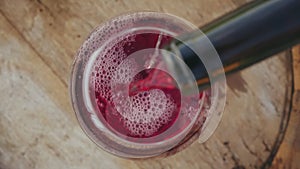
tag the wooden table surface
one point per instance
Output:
(38, 128)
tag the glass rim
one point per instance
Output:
(85, 78)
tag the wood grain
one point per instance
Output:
(38, 39)
(289, 153)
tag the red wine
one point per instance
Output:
(136, 104)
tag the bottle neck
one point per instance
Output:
(244, 37)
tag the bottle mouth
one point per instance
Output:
(201, 58)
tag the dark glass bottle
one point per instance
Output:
(245, 36)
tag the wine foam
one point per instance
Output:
(143, 113)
